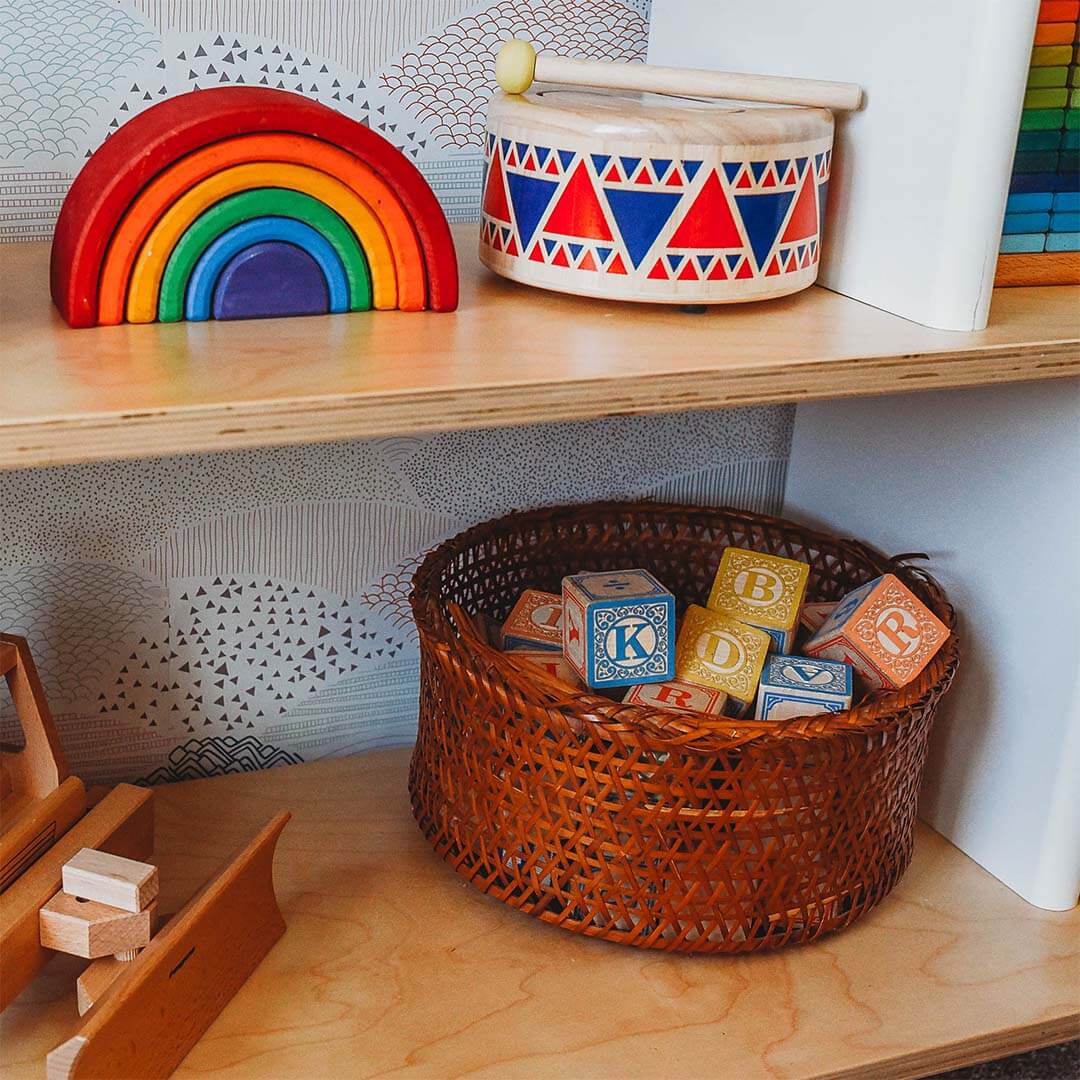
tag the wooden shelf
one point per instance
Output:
(392, 964)
(510, 355)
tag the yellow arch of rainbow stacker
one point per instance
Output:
(146, 272)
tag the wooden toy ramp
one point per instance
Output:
(164, 999)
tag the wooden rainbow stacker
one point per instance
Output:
(70, 884)
(241, 202)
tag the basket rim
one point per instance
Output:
(695, 732)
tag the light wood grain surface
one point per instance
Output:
(393, 966)
(511, 354)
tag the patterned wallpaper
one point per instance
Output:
(222, 612)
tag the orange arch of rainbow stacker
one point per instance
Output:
(160, 157)
(144, 285)
(174, 182)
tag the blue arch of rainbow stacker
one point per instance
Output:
(199, 298)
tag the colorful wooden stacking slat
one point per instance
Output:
(191, 203)
(1040, 243)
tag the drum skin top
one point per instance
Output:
(616, 116)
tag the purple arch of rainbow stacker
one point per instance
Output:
(270, 280)
(201, 297)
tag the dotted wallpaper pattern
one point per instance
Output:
(226, 612)
(219, 612)
(420, 73)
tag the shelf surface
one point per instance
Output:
(511, 354)
(393, 966)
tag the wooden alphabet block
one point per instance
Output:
(535, 622)
(110, 879)
(618, 628)
(553, 663)
(717, 650)
(812, 616)
(678, 696)
(797, 686)
(764, 591)
(89, 929)
(883, 630)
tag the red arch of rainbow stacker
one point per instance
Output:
(160, 155)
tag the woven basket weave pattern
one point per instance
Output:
(637, 825)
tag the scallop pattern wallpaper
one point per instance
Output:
(225, 612)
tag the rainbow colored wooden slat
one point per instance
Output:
(184, 206)
(1040, 243)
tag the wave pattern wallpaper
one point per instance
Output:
(223, 612)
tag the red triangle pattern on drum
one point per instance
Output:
(745, 271)
(536, 255)
(658, 271)
(617, 265)
(495, 204)
(803, 222)
(709, 223)
(587, 263)
(578, 211)
(717, 273)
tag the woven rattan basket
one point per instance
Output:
(640, 826)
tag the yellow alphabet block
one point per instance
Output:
(717, 650)
(765, 591)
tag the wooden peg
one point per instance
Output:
(111, 879)
(89, 929)
(518, 65)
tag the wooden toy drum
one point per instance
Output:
(658, 199)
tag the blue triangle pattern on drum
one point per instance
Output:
(542, 154)
(575, 250)
(799, 163)
(762, 216)
(505, 144)
(522, 149)
(491, 142)
(703, 261)
(781, 168)
(600, 162)
(691, 169)
(659, 167)
(565, 157)
(675, 261)
(629, 164)
(733, 261)
(640, 215)
(551, 245)
(758, 169)
(530, 197)
(731, 170)
(602, 254)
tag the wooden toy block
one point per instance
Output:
(535, 622)
(122, 822)
(555, 664)
(678, 696)
(797, 686)
(718, 650)
(89, 929)
(618, 628)
(883, 631)
(162, 1001)
(110, 879)
(38, 797)
(812, 616)
(764, 591)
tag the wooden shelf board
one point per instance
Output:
(510, 355)
(393, 965)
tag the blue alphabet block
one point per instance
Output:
(797, 686)
(618, 628)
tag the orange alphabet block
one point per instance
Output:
(535, 622)
(678, 696)
(884, 631)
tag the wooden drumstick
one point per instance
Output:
(518, 65)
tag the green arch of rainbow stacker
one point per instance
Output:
(260, 202)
